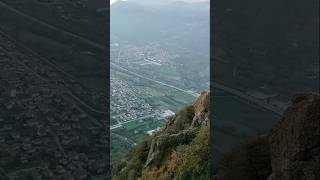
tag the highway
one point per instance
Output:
(72, 35)
(101, 47)
(247, 97)
(155, 81)
(235, 92)
(95, 111)
(126, 122)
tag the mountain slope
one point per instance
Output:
(178, 151)
(291, 151)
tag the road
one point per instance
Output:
(155, 81)
(95, 111)
(53, 88)
(70, 34)
(132, 143)
(247, 97)
(88, 106)
(126, 122)
(101, 47)
(235, 92)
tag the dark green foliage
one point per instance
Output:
(196, 158)
(182, 153)
(132, 164)
(130, 167)
(182, 120)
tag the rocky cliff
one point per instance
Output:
(295, 141)
(180, 150)
(291, 151)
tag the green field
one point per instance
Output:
(123, 138)
(118, 146)
(159, 97)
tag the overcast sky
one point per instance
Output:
(112, 1)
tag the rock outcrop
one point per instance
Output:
(290, 151)
(166, 154)
(160, 144)
(295, 141)
(201, 109)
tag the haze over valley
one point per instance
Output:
(159, 64)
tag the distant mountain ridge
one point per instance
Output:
(146, 23)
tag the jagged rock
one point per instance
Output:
(295, 141)
(183, 133)
(201, 109)
(161, 143)
(294, 145)
(250, 161)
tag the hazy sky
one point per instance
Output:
(112, 1)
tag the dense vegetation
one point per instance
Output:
(183, 152)
(251, 160)
(289, 151)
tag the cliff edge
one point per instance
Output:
(180, 150)
(290, 151)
